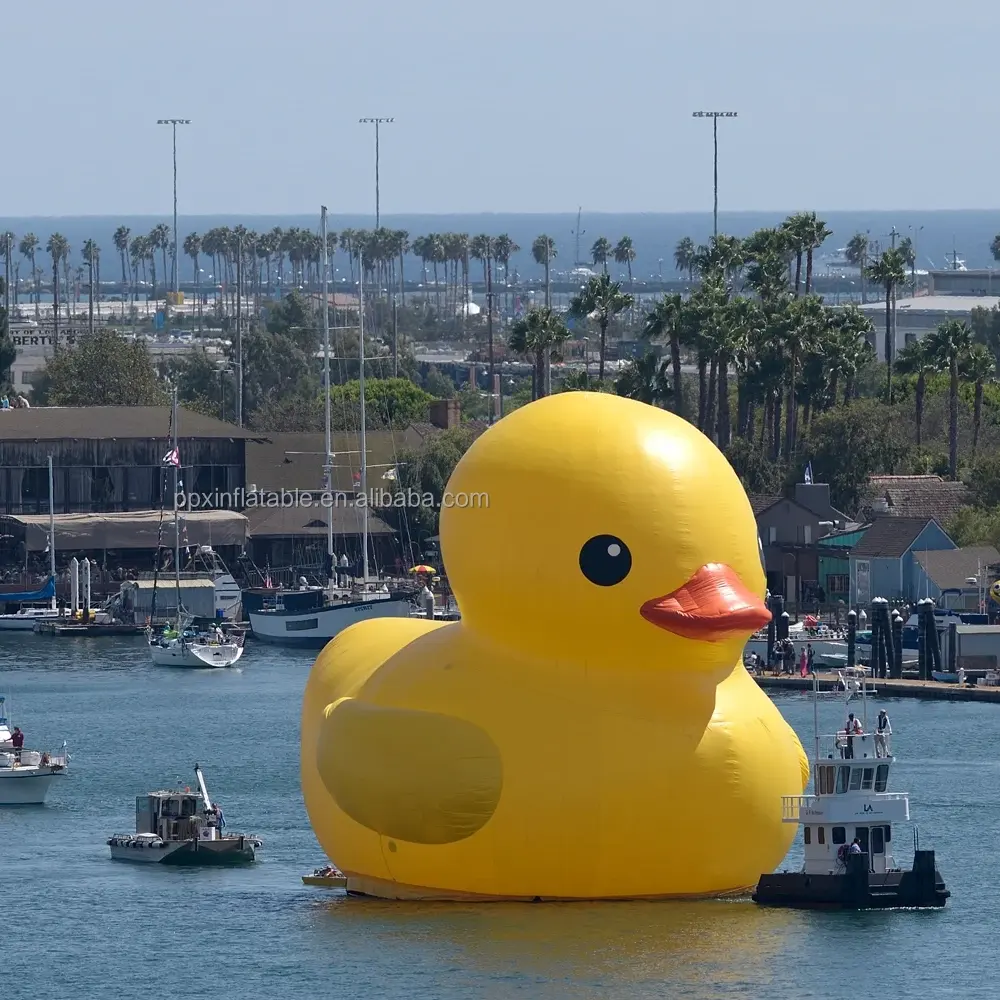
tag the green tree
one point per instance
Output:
(665, 321)
(916, 359)
(978, 367)
(686, 256)
(7, 350)
(949, 344)
(850, 444)
(28, 247)
(536, 335)
(543, 250)
(57, 248)
(437, 384)
(646, 379)
(603, 300)
(103, 369)
(600, 252)
(389, 402)
(984, 484)
(856, 253)
(121, 241)
(888, 271)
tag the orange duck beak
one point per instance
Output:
(713, 605)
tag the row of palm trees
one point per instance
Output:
(950, 349)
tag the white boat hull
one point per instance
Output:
(24, 623)
(195, 655)
(25, 786)
(314, 629)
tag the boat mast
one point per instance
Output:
(816, 731)
(177, 522)
(328, 459)
(52, 535)
(361, 381)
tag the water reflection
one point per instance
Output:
(715, 946)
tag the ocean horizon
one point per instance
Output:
(938, 234)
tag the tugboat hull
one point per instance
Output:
(857, 888)
(186, 853)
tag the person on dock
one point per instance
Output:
(883, 729)
(810, 656)
(17, 742)
(803, 662)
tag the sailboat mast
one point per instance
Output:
(52, 534)
(361, 387)
(177, 521)
(328, 460)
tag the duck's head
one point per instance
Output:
(590, 526)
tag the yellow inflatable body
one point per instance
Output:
(587, 731)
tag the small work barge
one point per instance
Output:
(182, 828)
(847, 835)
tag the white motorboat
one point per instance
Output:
(182, 828)
(23, 620)
(311, 618)
(26, 775)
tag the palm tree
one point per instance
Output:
(121, 238)
(159, 239)
(910, 259)
(888, 271)
(666, 320)
(57, 248)
(624, 253)
(685, 256)
(192, 247)
(505, 249)
(856, 254)
(603, 299)
(949, 343)
(917, 359)
(28, 247)
(600, 252)
(91, 256)
(796, 229)
(979, 367)
(645, 379)
(537, 334)
(543, 249)
(807, 323)
(995, 247)
(816, 234)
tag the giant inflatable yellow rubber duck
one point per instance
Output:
(588, 730)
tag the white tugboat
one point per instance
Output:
(847, 833)
(182, 828)
(25, 775)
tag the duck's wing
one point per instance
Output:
(415, 776)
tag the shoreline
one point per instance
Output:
(927, 690)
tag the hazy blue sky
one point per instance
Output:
(515, 105)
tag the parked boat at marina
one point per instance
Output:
(182, 828)
(847, 833)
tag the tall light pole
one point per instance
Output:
(715, 116)
(173, 123)
(376, 122)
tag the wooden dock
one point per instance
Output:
(928, 690)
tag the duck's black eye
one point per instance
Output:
(605, 560)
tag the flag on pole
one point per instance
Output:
(172, 457)
(808, 477)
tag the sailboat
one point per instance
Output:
(192, 642)
(311, 618)
(23, 620)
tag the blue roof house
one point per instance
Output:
(882, 563)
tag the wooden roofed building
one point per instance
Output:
(111, 458)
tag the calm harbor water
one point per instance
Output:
(85, 927)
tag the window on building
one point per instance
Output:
(855, 779)
(843, 779)
(821, 832)
(28, 378)
(772, 535)
(807, 534)
(866, 781)
(839, 835)
(881, 777)
(807, 836)
(878, 840)
(838, 583)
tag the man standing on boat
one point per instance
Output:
(17, 742)
(883, 729)
(852, 728)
